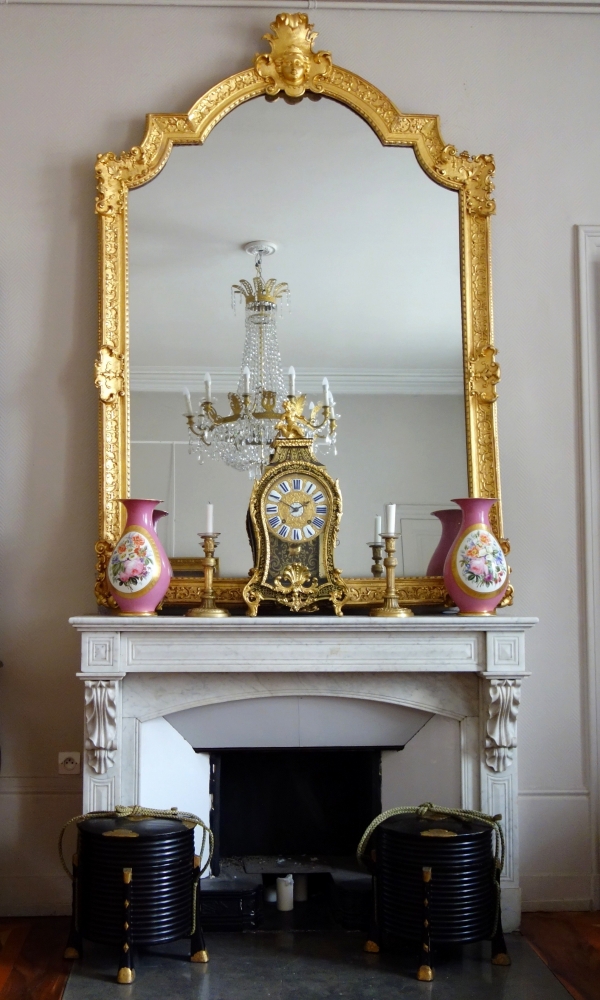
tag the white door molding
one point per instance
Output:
(589, 361)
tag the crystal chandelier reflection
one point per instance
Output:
(243, 438)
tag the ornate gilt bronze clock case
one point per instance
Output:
(294, 516)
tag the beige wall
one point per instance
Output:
(77, 80)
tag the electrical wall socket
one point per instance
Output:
(69, 762)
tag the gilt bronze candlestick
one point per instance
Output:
(377, 567)
(208, 608)
(391, 608)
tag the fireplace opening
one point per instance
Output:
(298, 811)
(295, 802)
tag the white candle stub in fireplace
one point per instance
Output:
(285, 893)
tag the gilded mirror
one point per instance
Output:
(390, 299)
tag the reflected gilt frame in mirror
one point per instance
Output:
(292, 67)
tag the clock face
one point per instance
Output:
(296, 509)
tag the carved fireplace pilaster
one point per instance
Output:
(102, 737)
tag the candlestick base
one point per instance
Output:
(391, 613)
(391, 608)
(207, 613)
(208, 608)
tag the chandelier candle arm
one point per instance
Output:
(243, 439)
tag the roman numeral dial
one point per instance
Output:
(296, 509)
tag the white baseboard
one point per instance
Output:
(557, 892)
(558, 905)
(34, 809)
(34, 895)
(511, 910)
(595, 892)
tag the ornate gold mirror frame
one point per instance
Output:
(293, 67)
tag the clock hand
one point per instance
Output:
(296, 503)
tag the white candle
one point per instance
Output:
(188, 398)
(246, 374)
(325, 390)
(285, 893)
(390, 518)
(331, 403)
(209, 519)
(207, 387)
(291, 381)
(377, 535)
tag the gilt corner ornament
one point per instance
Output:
(484, 375)
(110, 374)
(292, 66)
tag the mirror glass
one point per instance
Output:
(369, 246)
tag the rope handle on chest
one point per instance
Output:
(125, 812)
(429, 807)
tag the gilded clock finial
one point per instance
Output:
(292, 65)
(293, 422)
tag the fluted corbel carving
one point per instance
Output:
(501, 728)
(101, 724)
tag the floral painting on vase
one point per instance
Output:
(480, 562)
(133, 565)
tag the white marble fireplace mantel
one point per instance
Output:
(469, 669)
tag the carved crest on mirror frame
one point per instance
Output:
(292, 66)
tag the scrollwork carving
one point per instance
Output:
(292, 65)
(101, 724)
(114, 175)
(103, 596)
(110, 374)
(504, 696)
(474, 173)
(484, 375)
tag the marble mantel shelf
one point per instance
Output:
(441, 643)
(136, 670)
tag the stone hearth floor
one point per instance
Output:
(310, 966)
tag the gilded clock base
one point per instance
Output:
(391, 613)
(207, 613)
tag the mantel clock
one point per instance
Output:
(293, 520)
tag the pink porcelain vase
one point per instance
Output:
(475, 571)
(139, 571)
(451, 522)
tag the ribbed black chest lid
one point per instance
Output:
(133, 829)
(435, 827)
